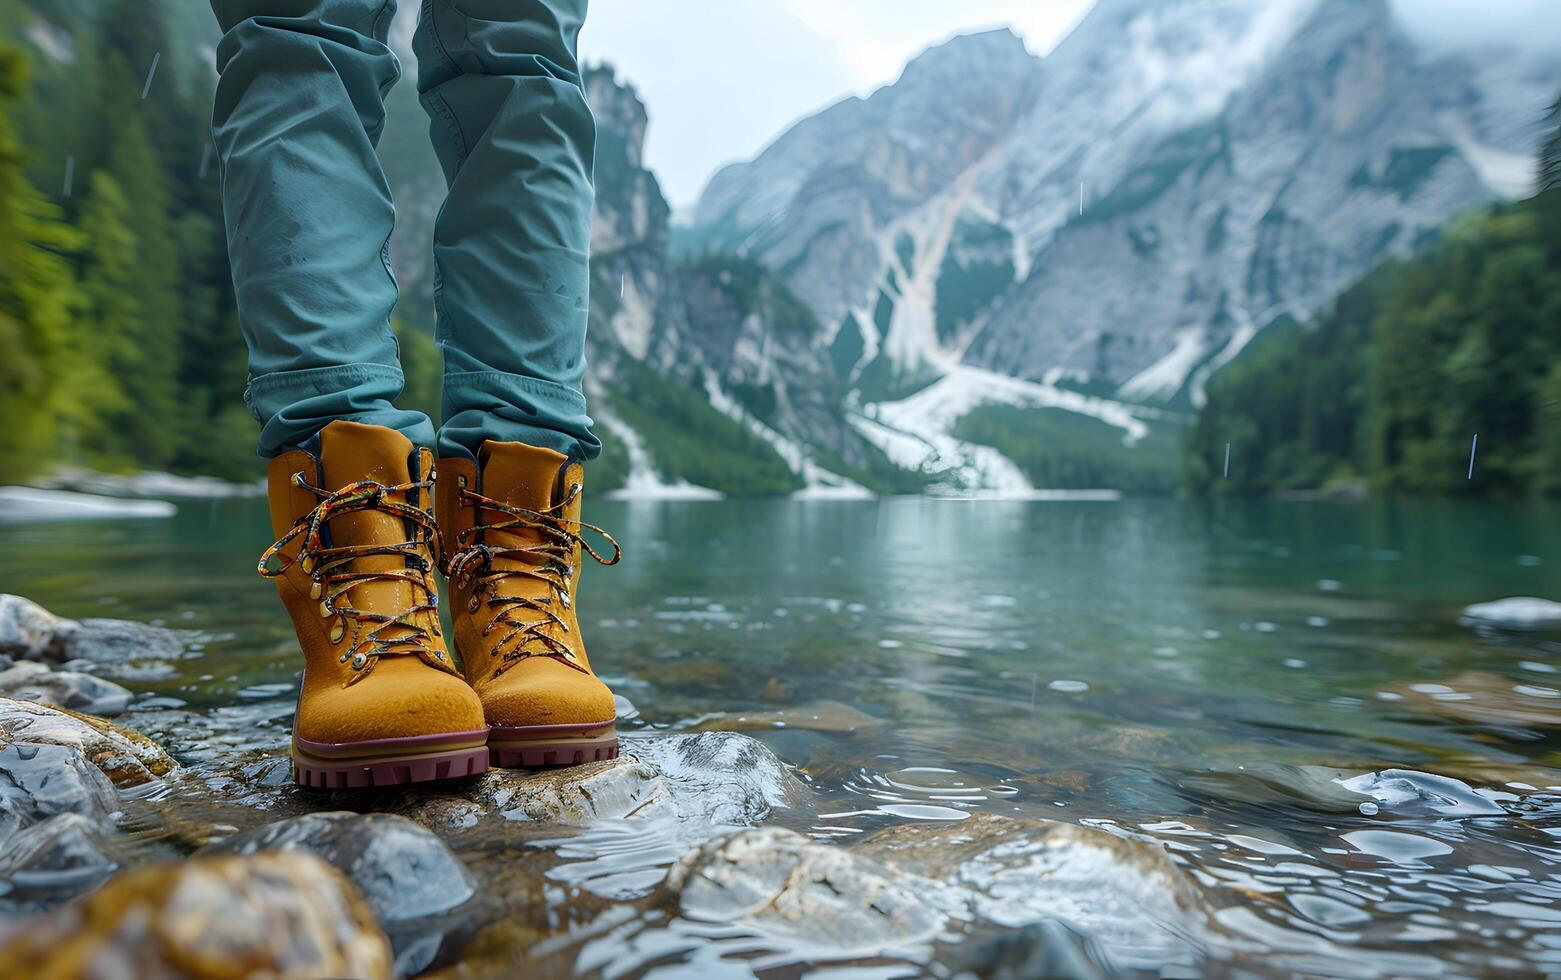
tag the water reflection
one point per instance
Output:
(1279, 695)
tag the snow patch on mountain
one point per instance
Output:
(643, 482)
(817, 481)
(916, 432)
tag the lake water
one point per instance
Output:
(1183, 672)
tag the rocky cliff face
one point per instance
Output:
(721, 338)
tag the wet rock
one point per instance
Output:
(32, 681)
(64, 856)
(407, 875)
(1514, 613)
(1041, 949)
(27, 630)
(40, 781)
(719, 778)
(1406, 792)
(1318, 788)
(793, 890)
(265, 915)
(1483, 699)
(30, 632)
(1125, 894)
(127, 757)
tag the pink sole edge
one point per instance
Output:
(369, 773)
(541, 755)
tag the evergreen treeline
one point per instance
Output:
(119, 346)
(1391, 386)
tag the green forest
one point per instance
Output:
(119, 343)
(1390, 387)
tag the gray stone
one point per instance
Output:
(113, 642)
(712, 778)
(1514, 613)
(39, 781)
(50, 862)
(407, 875)
(1126, 895)
(32, 681)
(795, 890)
(30, 632)
(27, 630)
(127, 757)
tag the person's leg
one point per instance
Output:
(299, 109)
(501, 82)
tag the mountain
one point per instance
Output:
(1098, 230)
(709, 374)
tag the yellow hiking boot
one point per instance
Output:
(354, 563)
(513, 547)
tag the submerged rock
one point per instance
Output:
(39, 781)
(1407, 792)
(1484, 699)
(407, 875)
(32, 681)
(30, 632)
(719, 778)
(1516, 612)
(1125, 894)
(265, 915)
(64, 856)
(127, 757)
(788, 887)
(1086, 902)
(27, 630)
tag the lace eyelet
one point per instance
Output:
(358, 660)
(563, 597)
(298, 478)
(473, 604)
(326, 612)
(338, 630)
(316, 589)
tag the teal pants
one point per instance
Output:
(300, 105)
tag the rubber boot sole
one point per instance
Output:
(540, 746)
(390, 761)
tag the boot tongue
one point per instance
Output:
(521, 476)
(351, 452)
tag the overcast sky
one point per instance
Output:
(721, 78)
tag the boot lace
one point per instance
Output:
(528, 622)
(331, 570)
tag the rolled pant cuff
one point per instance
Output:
(293, 406)
(494, 405)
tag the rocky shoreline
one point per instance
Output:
(698, 848)
(118, 856)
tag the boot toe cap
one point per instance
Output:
(543, 691)
(400, 699)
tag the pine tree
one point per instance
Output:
(146, 360)
(35, 286)
(109, 319)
